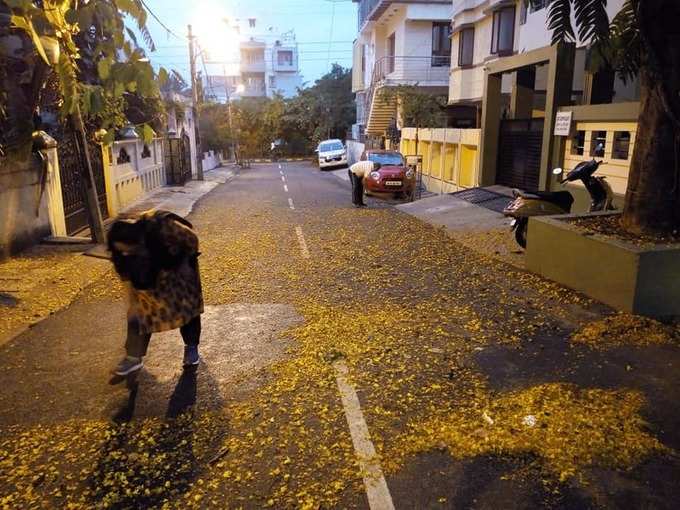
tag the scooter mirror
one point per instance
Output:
(557, 171)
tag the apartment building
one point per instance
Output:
(398, 43)
(267, 66)
(507, 79)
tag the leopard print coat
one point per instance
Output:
(177, 297)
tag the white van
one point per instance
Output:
(332, 153)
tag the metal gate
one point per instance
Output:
(177, 153)
(72, 168)
(519, 154)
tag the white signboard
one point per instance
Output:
(563, 123)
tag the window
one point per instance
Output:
(391, 49)
(441, 44)
(503, 32)
(330, 146)
(577, 143)
(272, 82)
(466, 46)
(598, 142)
(621, 147)
(537, 5)
(285, 58)
(523, 9)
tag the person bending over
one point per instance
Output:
(156, 254)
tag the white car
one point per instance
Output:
(331, 153)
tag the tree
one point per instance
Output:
(324, 110)
(417, 107)
(96, 61)
(643, 39)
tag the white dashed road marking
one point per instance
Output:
(279, 167)
(377, 492)
(303, 244)
(285, 188)
(283, 178)
(290, 203)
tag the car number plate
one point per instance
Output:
(392, 183)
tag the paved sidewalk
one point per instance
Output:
(47, 278)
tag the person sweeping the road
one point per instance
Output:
(156, 254)
(357, 172)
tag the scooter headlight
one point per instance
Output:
(375, 176)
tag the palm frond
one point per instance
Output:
(559, 21)
(625, 41)
(592, 20)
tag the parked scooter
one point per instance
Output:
(544, 203)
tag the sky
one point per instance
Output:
(324, 31)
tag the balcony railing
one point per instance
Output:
(400, 70)
(425, 71)
(365, 9)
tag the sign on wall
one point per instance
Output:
(563, 123)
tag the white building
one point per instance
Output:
(267, 66)
(508, 80)
(487, 30)
(398, 43)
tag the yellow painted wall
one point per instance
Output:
(450, 158)
(436, 160)
(468, 165)
(615, 170)
(424, 151)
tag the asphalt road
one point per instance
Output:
(330, 334)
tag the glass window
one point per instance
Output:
(537, 5)
(386, 158)
(577, 143)
(330, 146)
(523, 8)
(598, 143)
(285, 58)
(466, 46)
(441, 44)
(621, 147)
(503, 32)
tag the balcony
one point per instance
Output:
(371, 10)
(423, 71)
(253, 66)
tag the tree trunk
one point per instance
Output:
(652, 202)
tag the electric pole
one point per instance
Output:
(194, 94)
(231, 124)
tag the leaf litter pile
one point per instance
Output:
(406, 311)
(624, 329)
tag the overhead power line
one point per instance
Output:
(153, 15)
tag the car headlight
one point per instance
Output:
(409, 173)
(375, 176)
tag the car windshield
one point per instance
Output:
(386, 158)
(330, 146)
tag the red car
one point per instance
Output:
(393, 176)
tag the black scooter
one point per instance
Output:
(544, 203)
